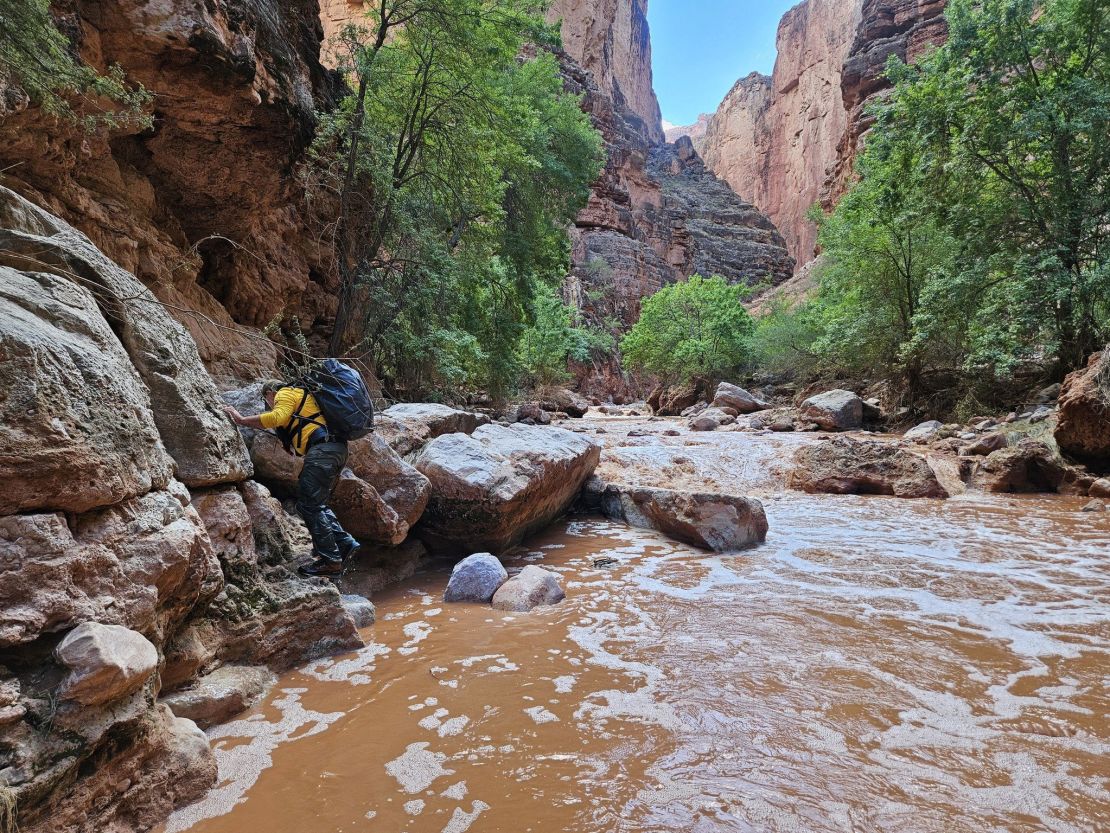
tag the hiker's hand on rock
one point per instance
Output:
(233, 415)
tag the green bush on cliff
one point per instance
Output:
(447, 181)
(697, 328)
(37, 57)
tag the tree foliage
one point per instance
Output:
(37, 57)
(453, 169)
(555, 337)
(697, 328)
(974, 247)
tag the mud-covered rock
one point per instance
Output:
(844, 465)
(1083, 426)
(710, 521)
(532, 587)
(219, 696)
(475, 579)
(834, 410)
(105, 663)
(493, 488)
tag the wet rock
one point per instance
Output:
(731, 396)
(182, 399)
(844, 465)
(360, 608)
(987, 444)
(377, 568)
(409, 426)
(144, 564)
(924, 432)
(1095, 506)
(565, 401)
(710, 521)
(834, 410)
(711, 419)
(493, 488)
(1083, 429)
(219, 696)
(532, 587)
(105, 662)
(1100, 488)
(1030, 466)
(475, 579)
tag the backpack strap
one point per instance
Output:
(294, 434)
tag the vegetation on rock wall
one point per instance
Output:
(40, 60)
(447, 179)
(972, 255)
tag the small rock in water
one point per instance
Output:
(475, 579)
(1095, 506)
(360, 608)
(606, 562)
(531, 588)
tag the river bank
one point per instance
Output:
(878, 663)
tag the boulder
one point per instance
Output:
(532, 587)
(76, 427)
(710, 521)
(408, 426)
(711, 419)
(672, 401)
(219, 696)
(1100, 488)
(105, 662)
(565, 401)
(530, 413)
(400, 485)
(844, 465)
(987, 444)
(738, 399)
(363, 512)
(143, 563)
(834, 410)
(360, 608)
(1095, 506)
(182, 398)
(493, 488)
(1030, 466)
(475, 579)
(1083, 427)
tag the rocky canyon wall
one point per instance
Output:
(790, 140)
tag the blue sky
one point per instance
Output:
(701, 47)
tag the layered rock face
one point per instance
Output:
(136, 553)
(204, 208)
(790, 140)
(773, 138)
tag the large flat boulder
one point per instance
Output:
(219, 696)
(493, 488)
(1083, 424)
(834, 410)
(183, 400)
(710, 521)
(408, 426)
(843, 466)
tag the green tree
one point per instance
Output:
(696, 328)
(555, 338)
(35, 55)
(452, 171)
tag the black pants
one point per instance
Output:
(322, 464)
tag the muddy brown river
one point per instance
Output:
(878, 665)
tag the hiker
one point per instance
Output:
(300, 424)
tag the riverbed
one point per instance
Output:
(878, 665)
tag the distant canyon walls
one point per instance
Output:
(790, 140)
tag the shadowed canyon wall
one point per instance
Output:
(790, 140)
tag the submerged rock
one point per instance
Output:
(844, 465)
(219, 696)
(834, 410)
(493, 488)
(475, 579)
(710, 521)
(105, 662)
(532, 587)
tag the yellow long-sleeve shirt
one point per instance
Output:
(283, 414)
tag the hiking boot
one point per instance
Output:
(321, 567)
(350, 551)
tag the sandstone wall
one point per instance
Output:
(774, 138)
(790, 140)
